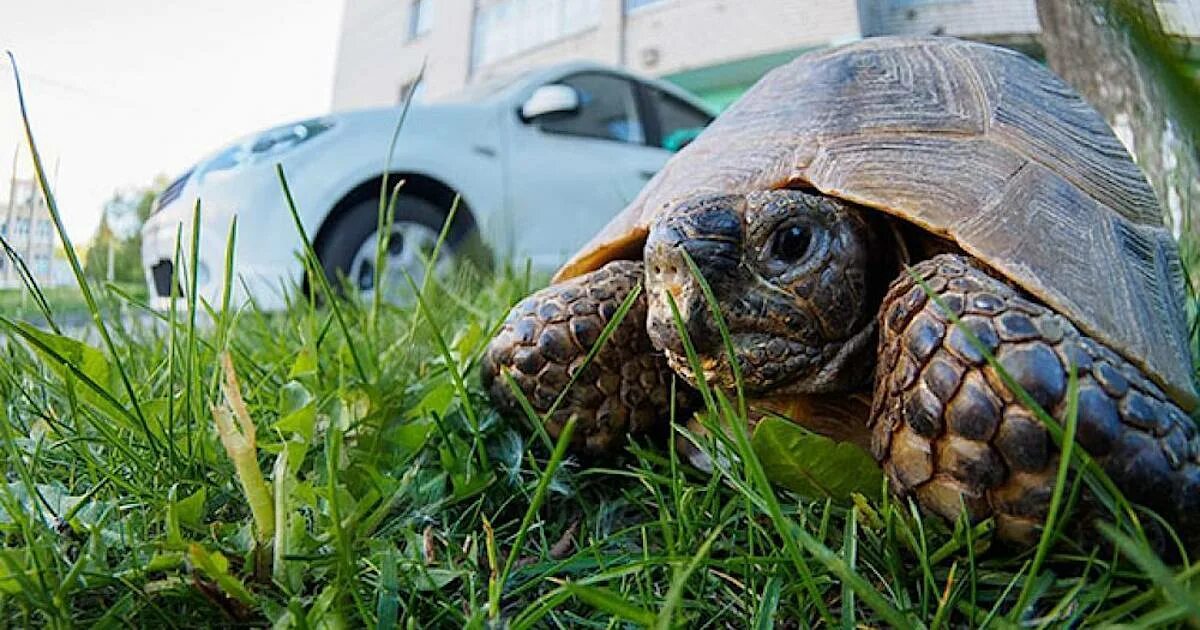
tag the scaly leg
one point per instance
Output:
(547, 336)
(947, 429)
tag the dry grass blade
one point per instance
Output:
(236, 430)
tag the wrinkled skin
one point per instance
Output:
(820, 309)
(791, 275)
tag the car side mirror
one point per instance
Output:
(550, 99)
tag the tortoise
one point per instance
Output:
(855, 214)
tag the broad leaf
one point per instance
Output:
(88, 360)
(436, 400)
(434, 579)
(812, 465)
(216, 567)
(297, 411)
(191, 508)
(305, 363)
(63, 353)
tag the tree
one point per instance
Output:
(120, 231)
(1117, 55)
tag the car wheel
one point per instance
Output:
(349, 251)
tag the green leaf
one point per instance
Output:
(14, 572)
(387, 608)
(190, 509)
(813, 465)
(467, 339)
(611, 603)
(294, 396)
(90, 361)
(297, 411)
(301, 422)
(435, 579)
(216, 566)
(62, 353)
(764, 617)
(1152, 566)
(305, 363)
(411, 436)
(435, 401)
(469, 485)
(163, 562)
(353, 406)
(54, 496)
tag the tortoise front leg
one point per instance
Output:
(949, 432)
(544, 341)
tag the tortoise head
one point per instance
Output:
(796, 277)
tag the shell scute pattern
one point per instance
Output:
(956, 431)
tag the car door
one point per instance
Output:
(570, 172)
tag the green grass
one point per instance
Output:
(379, 488)
(386, 514)
(65, 302)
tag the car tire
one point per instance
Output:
(347, 256)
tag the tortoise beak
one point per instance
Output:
(709, 232)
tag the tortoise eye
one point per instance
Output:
(791, 244)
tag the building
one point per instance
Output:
(26, 227)
(714, 48)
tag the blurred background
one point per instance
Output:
(128, 98)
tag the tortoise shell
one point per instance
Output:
(971, 142)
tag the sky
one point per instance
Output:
(122, 91)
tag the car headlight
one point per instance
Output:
(267, 145)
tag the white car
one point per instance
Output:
(539, 162)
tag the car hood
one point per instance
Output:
(423, 118)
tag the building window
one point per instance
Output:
(630, 5)
(420, 18)
(22, 227)
(505, 28)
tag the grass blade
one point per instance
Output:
(1155, 569)
(539, 495)
(319, 275)
(76, 267)
(611, 603)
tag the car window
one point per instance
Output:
(607, 110)
(679, 123)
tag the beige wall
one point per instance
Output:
(593, 44)
(370, 62)
(679, 35)
(375, 60)
(672, 36)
